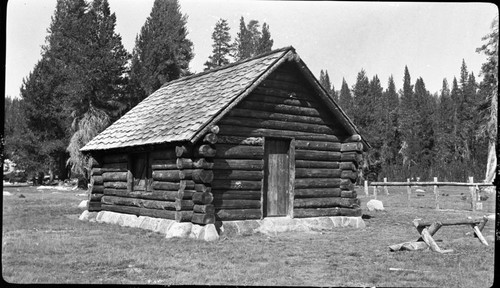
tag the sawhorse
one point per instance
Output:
(428, 229)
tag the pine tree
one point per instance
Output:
(265, 43)
(345, 99)
(390, 146)
(407, 119)
(162, 51)
(488, 109)
(324, 80)
(221, 48)
(97, 73)
(250, 41)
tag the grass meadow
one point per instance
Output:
(44, 242)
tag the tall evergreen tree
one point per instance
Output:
(96, 93)
(488, 108)
(324, 80)
(345, 99)
(250, 41)
(162, 50)
(391, 140)
(407, 119)
(221, 48)
(265, 43)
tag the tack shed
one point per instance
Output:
(253, 139)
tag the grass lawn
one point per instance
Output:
(44, 242)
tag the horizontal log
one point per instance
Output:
(97, 188)
(348, 174)
(326, 202)
(352, 138)
(164, 164)
(317, 173)
(267, 97)
(114, 176)
(166, 154)
(116, 185)
(220, 203)
(152, 195)
(119, 166)
(210, 138)
(207, 209)
(352, 147)
(167, 175)
(203, 163)
(100, 171)
(177, 204)
(237, 214)
(184, 163)
(317, 183)
(225, 151)
(160, 185)
(237, 175)
(237, 194)
(258, 114)
(316, 164)
(317, 155)
(348, 194)
(94, 206)
(279, 108)
(214, 129)
(200, 175)
(237, 164)
(203, 218)
(319, 212)
(203, 198)
(317, 192)
(348, 166)
(448, 222)
(278, 124)
(239, 140)
(114, 158)
(236, 185)
(231, 130)
(205, 150)
(351, 157)
(428, 184)
(317, 145)
(290, 87)
(346, 184)
(201, 187)
(96, 197)
(180, 216)
(97, 180)
(182, 151)
(281, 92)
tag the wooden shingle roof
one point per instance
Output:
(182, 110)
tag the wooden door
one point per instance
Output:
(277, 176)
(141, 172)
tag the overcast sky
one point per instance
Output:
(341, 37)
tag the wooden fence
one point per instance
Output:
(473, 187)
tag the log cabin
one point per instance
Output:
(257, 138)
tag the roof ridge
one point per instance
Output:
(286, 48)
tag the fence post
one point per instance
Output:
(375, 192)
(367, 193)
(472, 194)
(408, 191)
(385, 187)
(436, 193)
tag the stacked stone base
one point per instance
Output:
(209, 232)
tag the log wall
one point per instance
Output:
(284, 106)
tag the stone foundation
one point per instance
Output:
(211, 232)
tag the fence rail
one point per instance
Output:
(472, 188)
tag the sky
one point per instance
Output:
(343, 38)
